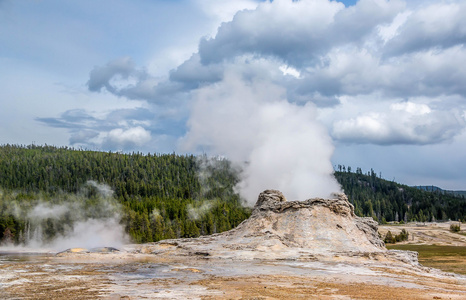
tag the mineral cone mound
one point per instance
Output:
(322, 225)
(284, 229)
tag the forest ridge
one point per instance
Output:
(171, 196)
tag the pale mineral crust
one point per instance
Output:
(313, 249)
(279, 229)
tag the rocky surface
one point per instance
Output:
(313, 249)
(287, 229)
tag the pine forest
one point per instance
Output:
(163, 196)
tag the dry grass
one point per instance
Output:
(445, 258)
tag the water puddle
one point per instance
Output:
(21, 257)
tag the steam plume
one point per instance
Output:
(278, 144)
(88, 219)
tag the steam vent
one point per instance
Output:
(279, 229)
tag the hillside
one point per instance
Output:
(156, 196)
(161, 196)
(388, 201)
(433, 188)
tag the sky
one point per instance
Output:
(377, 84)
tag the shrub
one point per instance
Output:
(389, 238)
(403, 236)
(392, 239)
(455, 227)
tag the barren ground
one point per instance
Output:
(126, 275)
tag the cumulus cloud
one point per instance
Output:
(439, 25)
(296, 31)
(192, 72)
(126, 138)
(321, 52)
(402, 123)
(119, 129)
(100, 76)
(122, 78)
(224, 10)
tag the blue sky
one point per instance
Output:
(382, 78)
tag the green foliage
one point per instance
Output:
(389, 201)
(455, 227)
(403, 236)
(389, 238)
(392, 239)
(171, 196)
(155, 191)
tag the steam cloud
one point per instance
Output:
(278, 144)
(88, 219)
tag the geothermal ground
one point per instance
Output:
(145, 276)
(315, 249)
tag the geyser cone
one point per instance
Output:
(323, 225)
(287, 228)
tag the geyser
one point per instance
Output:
(275, 143)
(284, 229)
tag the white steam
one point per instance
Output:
(92, 233)
(279, 145)
(197, 212)
(104, 190)
(88, 219)
(45, 210)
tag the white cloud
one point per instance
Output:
(438, 25)
(287, 70)
(402, 123)
(135, 136)
(224, 10)
(389, 31)
(381, 72)
(411, 108)
(212, 13)
(320, 52)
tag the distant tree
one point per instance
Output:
(392, 239)
(455, 227)
(389, 238)
(403, 236)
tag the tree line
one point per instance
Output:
(162, 196)
(387, 201)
